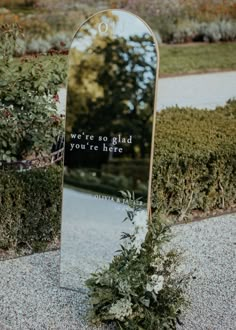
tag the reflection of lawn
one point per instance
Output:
(194, 58)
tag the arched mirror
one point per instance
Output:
(113, 65)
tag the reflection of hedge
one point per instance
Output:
(195, 160)
(137, 168)
(116, 175)
(30, 203)
(106, 184)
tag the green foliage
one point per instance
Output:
(29, 200)
(140, 288)
(35, 27)
(8, 42)
(28, 117)
(30, 207)
(194, 160)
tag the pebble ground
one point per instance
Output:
(30, 297)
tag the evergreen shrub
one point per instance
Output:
(195, 160)
(30, 206)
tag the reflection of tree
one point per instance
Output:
(112, 90)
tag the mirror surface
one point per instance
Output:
(108, 143)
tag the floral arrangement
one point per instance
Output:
(141, 287)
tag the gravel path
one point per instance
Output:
(200, 91)
(30, 297)
(209, 248)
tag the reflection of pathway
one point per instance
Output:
(31, 297)
(91, 231)
(200, 91)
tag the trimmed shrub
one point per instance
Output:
(211, 32)
(186, 31)
(38, 46)
(60, 41)
(195, 160)
(228, 30)
(30, 206)
(190, 30)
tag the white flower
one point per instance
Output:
(139, 232)
(159, 284)
(156, 284)
(121, 309)
(149, 287)
(154, 278)
(158, 265)
(140, 229)
(124, 287)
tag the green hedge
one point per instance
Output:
(195, 160)
(30, 206)
(194, 169)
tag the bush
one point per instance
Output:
(30, 206)
(35, 27)
(191, 30)
(29, 200)
(195, 160)
(185, 31)
(141, 287)
(20, 48)
(211, 32)
(60, 41)
(29, 122)
(38, 46)
(228, 30)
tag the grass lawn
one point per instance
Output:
(196, 58)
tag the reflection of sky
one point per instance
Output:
(127, 25)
